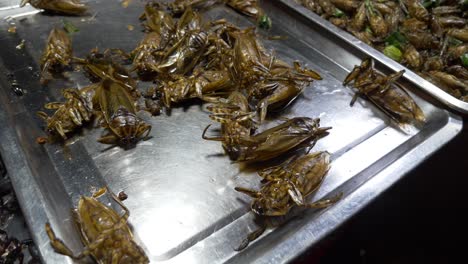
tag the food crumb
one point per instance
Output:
(122, 196)
(130, 27)
(12, 29)
(41, 140)
(21, 45)
(125, 3)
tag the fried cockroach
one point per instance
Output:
(246, 7)
(381, 90)
(185, 54)
(282, 93)
(273, 142)
(179, 6)
(148, 54)
(376, 21)
(158, 21)
(237, 121)
(199, 85)
(101, 66)
(105, 233)
(68, 116)
(69, 7)
(118, 110)
(288, 185)
(417, 10)
(57, 54)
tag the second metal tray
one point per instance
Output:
(426, 86)
(181, 188)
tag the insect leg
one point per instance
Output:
(295, 194)
(213, 138)
(116, 255)
(108, 139)
(355, 97)
(251, 237)
(53, 106)
(324, 202)
(61, 248)
(42, 115)
(249, 192)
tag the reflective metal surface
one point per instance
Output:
(181, 188)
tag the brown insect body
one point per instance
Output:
(246, 7)
(119, 115)
(158, 21)
(200, 84)
(179, 6)
(148, 54)
(57, 54)
(69, 115)
(381, 90)
(101, 66)
(288, 185)
(273, 142)
(106, 234)
(235, 117)
(69, 7)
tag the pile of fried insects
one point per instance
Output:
(216, 62)
(12, 250)
(429, 37)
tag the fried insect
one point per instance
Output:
(237, 121)
(158, 21)
(68, 7)
(148, 54)
(269, 82)
(69, 116)
(118, 111)
(101, 66)
(247, 7)
(425, 36)
(381, 90)
(288, 185)
(281, 87)
(200, 84)
(105, 233)
(292, 134)
(376, 21)
(57, 54)
(179, 6)
(185, 54)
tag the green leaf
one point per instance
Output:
(264, 22)
(368, 29)
(396, 39)
(430, 3)
(369, 6)
(338, 13)
(69, 27)
(393, 53)
(463, 4)
(464, 59)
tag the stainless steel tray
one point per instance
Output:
(426, 86)
(181, 188)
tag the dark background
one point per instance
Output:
(421, 219)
